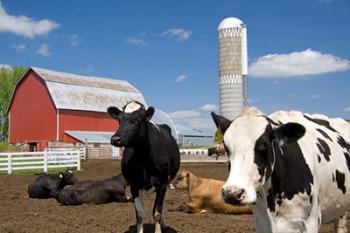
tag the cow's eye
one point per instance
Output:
(134, 122)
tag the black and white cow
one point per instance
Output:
(47, 186)
(151, 156)
(293, 168)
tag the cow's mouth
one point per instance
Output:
(234, 198)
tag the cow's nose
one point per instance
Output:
(115, 140)
(233, 195)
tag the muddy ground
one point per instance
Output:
(20, 214)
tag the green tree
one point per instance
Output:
(8, 80)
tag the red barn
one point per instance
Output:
(49, 106)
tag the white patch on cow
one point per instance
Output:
(244, 173)
(132, 107)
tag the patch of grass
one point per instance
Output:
(32, 172)
(5, 147)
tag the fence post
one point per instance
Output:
(78, 160)
(45, 160)
(9, 164)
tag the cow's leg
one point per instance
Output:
(340, 225)
(158, 207)
(138, 203)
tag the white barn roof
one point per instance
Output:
(77, 92)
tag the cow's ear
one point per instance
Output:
(288, 133)
(60, 175)
(114, 112)
(221, 122)
(149, 113)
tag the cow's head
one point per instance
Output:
(132, 121)
(250, 141)
(181, 179)
(68, 178)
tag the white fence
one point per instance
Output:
(43, 160)
(194, 151)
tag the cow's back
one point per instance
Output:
(164, 150)
(326, 149)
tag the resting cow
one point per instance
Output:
(47, 186)
(205, 195)
(97, 192)
(151, 157)
(293, 169)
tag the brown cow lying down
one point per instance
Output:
(205, 195)
(96, 192)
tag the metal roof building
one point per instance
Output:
(51, 106)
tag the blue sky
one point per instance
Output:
(298, 50)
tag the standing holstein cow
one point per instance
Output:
(293, 169)
(151, 157)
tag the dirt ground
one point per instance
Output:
(20, 214)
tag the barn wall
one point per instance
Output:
(84, 121)
(32, 112)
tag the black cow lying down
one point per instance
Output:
(96, 192)
(47, 186)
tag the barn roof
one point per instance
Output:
(91, 136)
(88, 93)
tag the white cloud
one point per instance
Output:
(346, 109)
(316, 96)
(194, 119)
(208, 107)
(181, 78)
(5, 66)
(19, 47)
(253, 100)
(74, 40)
(25, 26)
(178, 33)
(135, 41)
(304, 63)
(44, 51)
(184, 114)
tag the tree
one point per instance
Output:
(8, 80)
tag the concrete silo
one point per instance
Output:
(233, 67)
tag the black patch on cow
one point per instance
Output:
(347, 157)
(340, 178)
(263, 155)
(344, 144)
(321, 122)
(319, 158)
(270, 199)
(333, 177)
(323, 148)
(324, 134)
(291, 174)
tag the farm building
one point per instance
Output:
(49, 107)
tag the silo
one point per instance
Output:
(233, 67)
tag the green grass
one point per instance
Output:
(5, 147)
(32, 172)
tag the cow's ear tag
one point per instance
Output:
(61, 175)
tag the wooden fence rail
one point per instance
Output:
(43, 160)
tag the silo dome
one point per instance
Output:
(230, 22)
